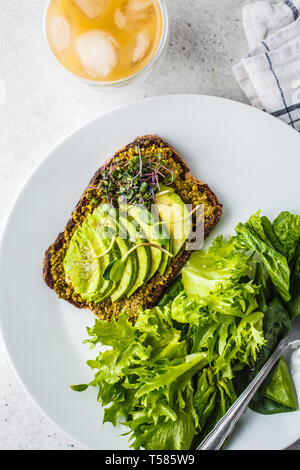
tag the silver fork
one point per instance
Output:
(217, 437)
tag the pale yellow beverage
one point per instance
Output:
(104, 40)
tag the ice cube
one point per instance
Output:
(91, 8)
(120, 19)
(134, 14)
(139, 5)
(142, 47)
(98, 52)
(60, 33)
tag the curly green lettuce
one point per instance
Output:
(146, 378)
(287, 229)
(207, 270)
(170, 377)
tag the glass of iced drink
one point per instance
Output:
(107, 43)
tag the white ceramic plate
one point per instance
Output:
(249, 159)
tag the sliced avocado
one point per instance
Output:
(170, 248)
(175, 215)
(99, 246)
(143, 218)
(124, 244)
(84, 264)
(143, 255)
(165, 238)
(102, 221)
(165, 260)
(102, 244)
(128, 274)
(81, 265)
(133, 256)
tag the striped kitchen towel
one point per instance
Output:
(270, 73)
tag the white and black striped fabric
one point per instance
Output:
(270, 73)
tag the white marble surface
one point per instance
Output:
(39, 105)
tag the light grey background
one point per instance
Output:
(39, 105)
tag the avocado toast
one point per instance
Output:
(80, 262)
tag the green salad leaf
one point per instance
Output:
(208, 270)
(294, 304)
(254, 238)
(147, 378)
(212, 400)
(171, 377)
(276, 325)
(287, 228)
(229, 325)
(281, 388)
(188, 310)
(164, 434)
(271, 235)
(227, 339)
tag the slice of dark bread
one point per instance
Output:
(148, 295)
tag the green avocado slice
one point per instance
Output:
(165, 260)
(84, 264)
(124, 244)
(143, 218)
(129, 272)
(170, 249)
(81, 265)
(174, 214)
(143, 255)
(101, 244)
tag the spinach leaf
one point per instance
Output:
(255, 223)
(265, 406)
(276, 325)
(275, 263)
(281, 389)
(287, 228)
(271, 234)
(277, 396)
(294, 304)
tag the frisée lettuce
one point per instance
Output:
(171, 376)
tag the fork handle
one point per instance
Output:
(216, 438)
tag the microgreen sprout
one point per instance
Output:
(139, 179)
